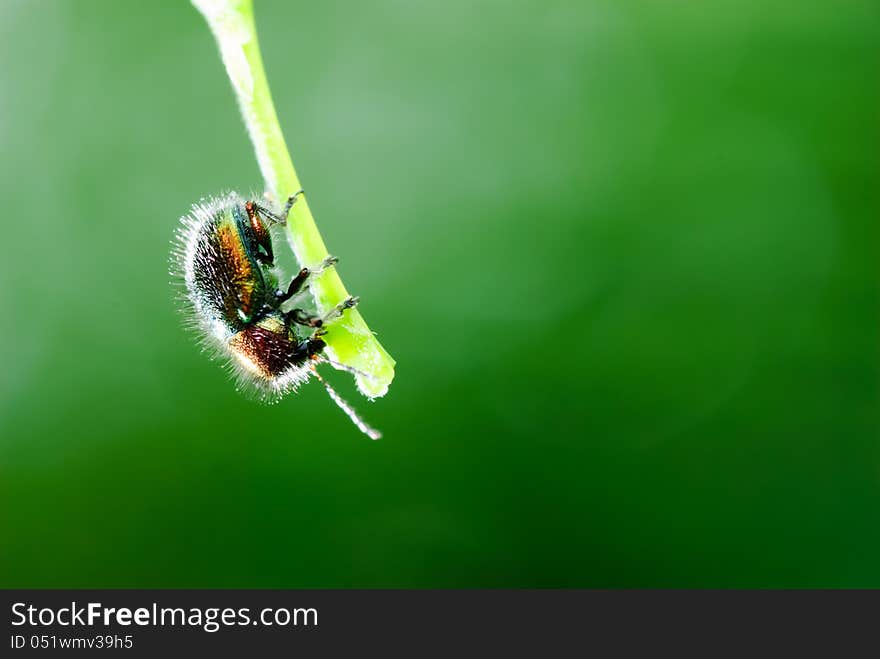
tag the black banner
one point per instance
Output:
(411, 623)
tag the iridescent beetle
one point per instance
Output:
(223, 255)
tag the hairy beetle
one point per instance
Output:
(224, 257)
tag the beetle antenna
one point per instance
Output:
(370, 432)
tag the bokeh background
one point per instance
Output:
(624, 252)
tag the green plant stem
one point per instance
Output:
(349, 340)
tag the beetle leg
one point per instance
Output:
(300, 317)
(291, 200)
(282, 218)
(297, 283)
(295, 286)
(266, 257)
(336, 312)
(315, 345)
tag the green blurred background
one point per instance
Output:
(625, 255)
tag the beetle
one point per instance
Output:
(223, 255)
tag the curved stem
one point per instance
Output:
(349, 340)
